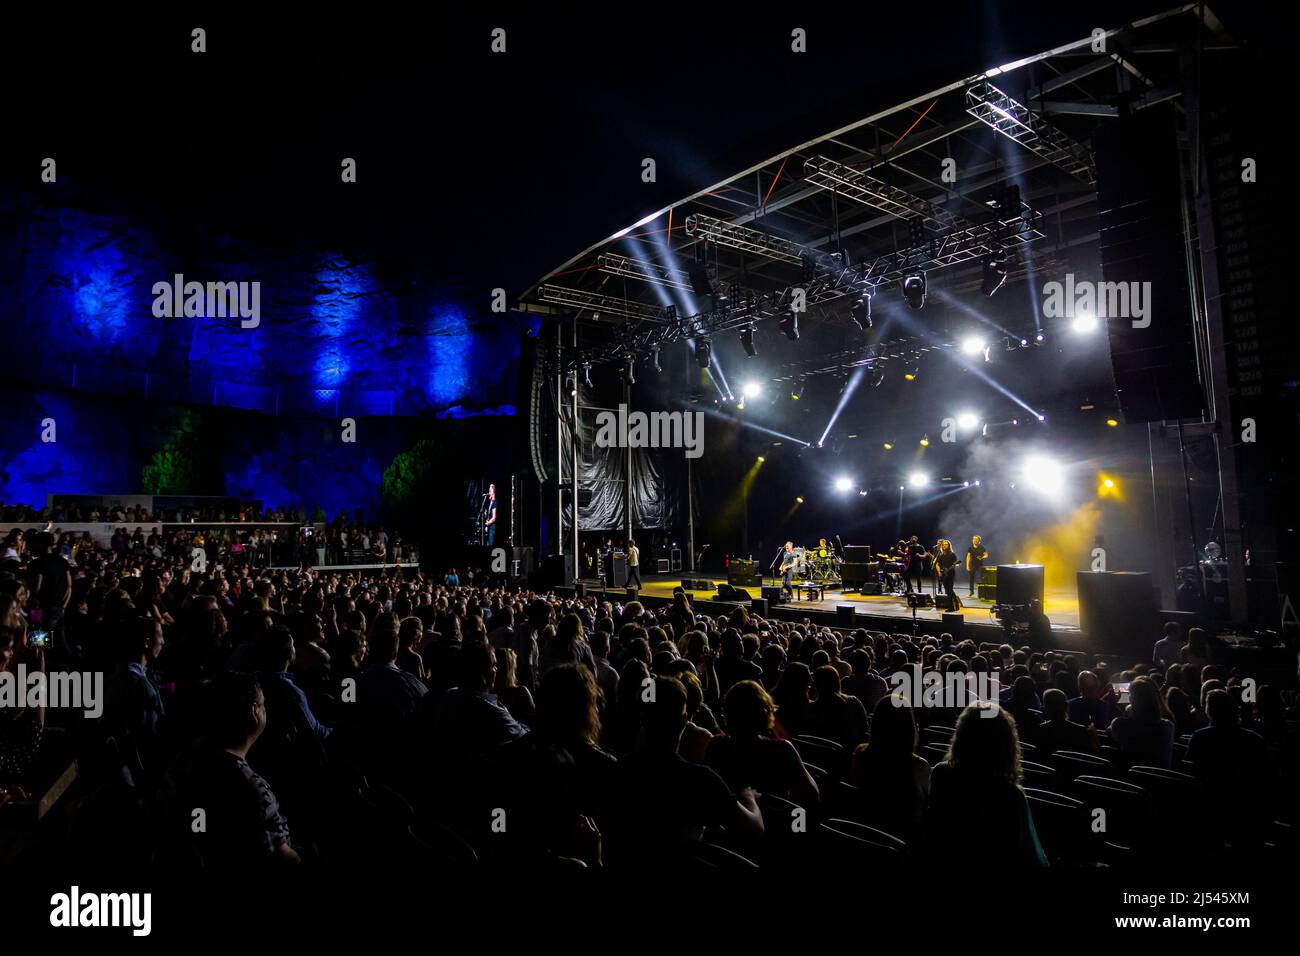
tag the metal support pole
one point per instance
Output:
(690, 519)
(573, 461)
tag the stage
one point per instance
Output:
(882, 612)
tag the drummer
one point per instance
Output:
(823, 549)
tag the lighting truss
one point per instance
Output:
(594, 301)
(852, 184)
(906, 349)
(962, 245)
(749, 240)
(615, 264)
(1014, 120)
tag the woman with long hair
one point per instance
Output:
(791, 696)
(747, 755)
(893, 779)
(568, 646)
(1145, 735)
(980, 780)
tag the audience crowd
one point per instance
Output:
(327, 716)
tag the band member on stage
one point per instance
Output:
(787, 567)
(945, 566)
(823, 551)
(633, 563)
(975, 558)
(914, 562)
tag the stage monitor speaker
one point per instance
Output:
(1020, 583)
(1141, 247)
(697, 584)
(580, 588)
(759, 606)
(954, 624)
(871, 587)
(858, 554)
(944, 603)
(632, 593)
(772, 594)
(557, 570)
(1118, 612)
(742, 573)
(987, 592)
(728, 593)
(988, 576)
(920, 600)
(615, 570)
(845, 615)
(854, 574)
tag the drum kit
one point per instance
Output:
(817, 565)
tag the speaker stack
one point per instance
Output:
(1118, 611)
(1020, 583)
(742, 574)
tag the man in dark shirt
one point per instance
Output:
(51, 588)
(664, 803)
(1058, 732)
(1089, 707)
(975, 557)
(470, 722)
(241, 820)
(133, 707)
(1232, 764)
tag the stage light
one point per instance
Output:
(1042, 418)
(995, 273)
(918, 479)
(586, 374)
(1112, 423)
(1040, 337)
(910, 376)
(972, 345)
(1043, 476)
(751, 390)
(1084, 323)
(654, 359)
(1024, 343)
(1108, 483)
(747, 341)
(965, 484)
(967, 421)
(843, 484)
(925, 441)
(790, 326)
(861, 312)
(796, 390)
(889, 446)
(798, 500)
(914, 290)
(761, 459)
(703, 351)
(629, 370)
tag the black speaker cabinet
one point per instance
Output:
(615, 570)
(742, 574)
(988, 576)
(854, 574)
(987, 592)
(1117, 611)
(759, 606)
(954, 624)
(1020, 583)
(871, 587)
(632, 593)
(845, 615)
(943, 603)
(728, 593)
(858, 554)
(697, 584)
(772, 594)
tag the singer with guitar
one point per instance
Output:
(787, 568)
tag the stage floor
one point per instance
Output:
(1061, 607)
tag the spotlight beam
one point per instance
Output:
(850, 387)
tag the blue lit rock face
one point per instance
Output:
(335, 337)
